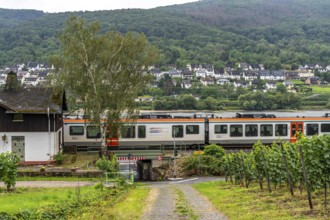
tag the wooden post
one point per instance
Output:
(325, 195)
(239, 170)
(260, 179)
(288, 176)
(246, 181)
(305, 177)
(266, 169)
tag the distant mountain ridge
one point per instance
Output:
(218, 32)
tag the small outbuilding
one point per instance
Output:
(31, 123)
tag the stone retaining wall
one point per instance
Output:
(63, 173)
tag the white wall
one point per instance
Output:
(39, 146)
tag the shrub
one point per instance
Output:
(214, 150)
(8, 168)
(108, 165)
(59, 158)
(202, 164)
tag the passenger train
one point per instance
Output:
(155, 131)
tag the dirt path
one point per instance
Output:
(200, 204)
(162, 198)
(161, 204)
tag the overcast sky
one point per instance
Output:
(85, 5)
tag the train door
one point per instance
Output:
(294, 128)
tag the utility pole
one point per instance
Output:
(175, 152)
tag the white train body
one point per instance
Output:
(194, 132)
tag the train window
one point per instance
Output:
(312, 129)
(266, 130)
(141, 131)
(236, 130)
(76, 130)
(251, 130)
(93, 132)
(192, 129)
(177, 131)
(220, 129)
(128, 132)
(325, 127)
(281, 130)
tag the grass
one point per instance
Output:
(321, 89)
(33, 198)
(297, 82)
(132, 206)
(182, 207)
(252, 203)
(81, 160)
(129, 206)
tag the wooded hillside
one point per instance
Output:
(209, 31)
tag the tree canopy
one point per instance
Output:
(102, 72)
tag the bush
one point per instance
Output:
(214, 150)
(108, 165)
(59, 158)
(202, 164)
(328, 105)
(8, 169)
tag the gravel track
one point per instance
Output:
(201, 206)
(161, 203)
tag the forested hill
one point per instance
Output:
(272, 32)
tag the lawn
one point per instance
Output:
(252, 203)
(111, 204)
(297, 82)
(321, 89)
(129, 206)
(33, 198)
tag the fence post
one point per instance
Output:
(132, 176)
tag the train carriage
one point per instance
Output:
(79, 133)
(163, 132)
(247, 131)
(142, 134)
(154, 133)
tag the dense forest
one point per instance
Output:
(218, 32)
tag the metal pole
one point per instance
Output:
(199, 163)
(174, 147)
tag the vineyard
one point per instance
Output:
(304, 165)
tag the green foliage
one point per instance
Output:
(328, 105)
(208, 163)
(79, 202)
(214, 150)
(106, 165)
(8, 169)
(59, 158)
(282, 163)
(272, 33)
(269, 100)
(317, 160)
(91, 62)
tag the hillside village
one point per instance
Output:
(242, 75)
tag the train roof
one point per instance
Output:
(158, 116)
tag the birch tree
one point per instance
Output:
(102, 72)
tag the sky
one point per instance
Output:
(86, 5)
